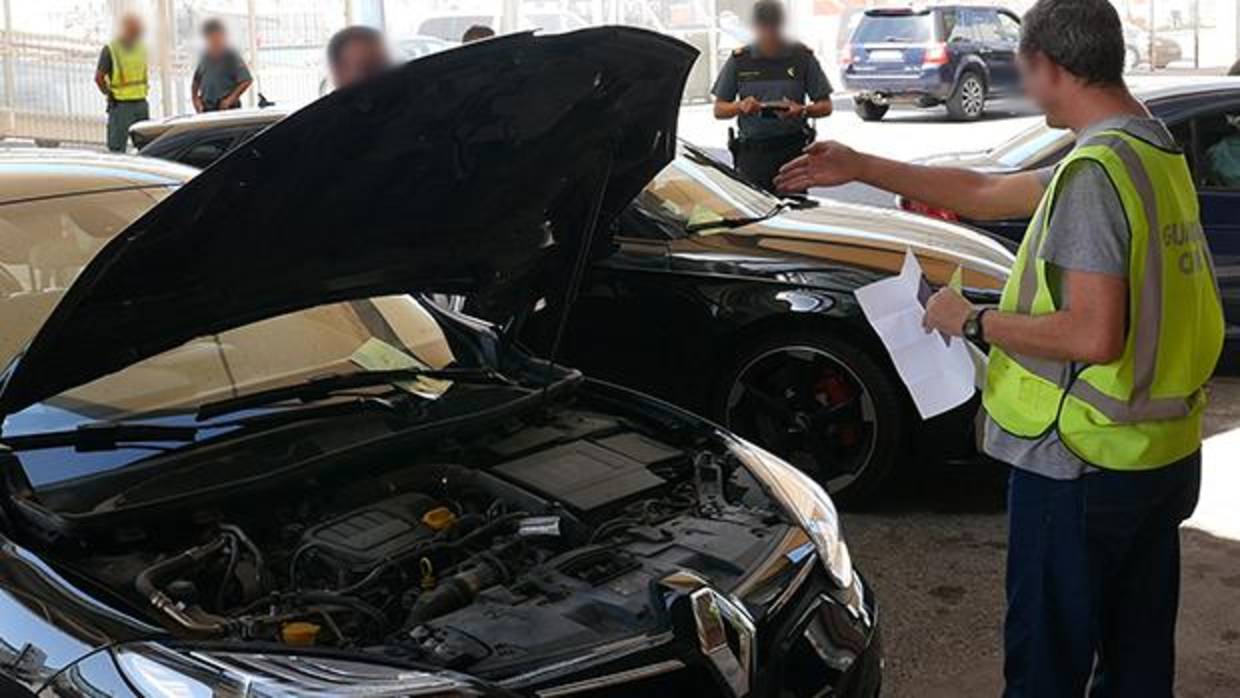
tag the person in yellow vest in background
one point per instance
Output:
(1107, 331)
(122, 77)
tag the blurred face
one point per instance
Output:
(131, 28)
(1045, 85)
(768, 35)
(360, 59)
(217, 41)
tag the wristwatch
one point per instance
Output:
(973, 330)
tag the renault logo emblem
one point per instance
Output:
(714, 615)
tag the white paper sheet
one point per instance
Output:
(938, 370)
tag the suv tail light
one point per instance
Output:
(914, 206)
(936, 54)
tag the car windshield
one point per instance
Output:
(878, 29)
(45, 243)
(1031, 147)
(376, 334)
(696, 190)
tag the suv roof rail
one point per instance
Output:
(897, 11)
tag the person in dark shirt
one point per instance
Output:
(775, 86)
(221, 76)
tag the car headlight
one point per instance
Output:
(805, 501)
(155, 670)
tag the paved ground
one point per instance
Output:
(935, 549)
(935, 552)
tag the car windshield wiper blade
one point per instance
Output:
(731, 223)
(109, 436)
(324, 387)
(102, 436)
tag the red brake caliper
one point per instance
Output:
(833, 389)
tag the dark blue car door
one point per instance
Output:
(1211, 139)
(1002, 38)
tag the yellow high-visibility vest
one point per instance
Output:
(128, 79)
(1143, 410)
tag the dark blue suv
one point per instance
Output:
(952, 55)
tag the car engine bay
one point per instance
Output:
(564, 522)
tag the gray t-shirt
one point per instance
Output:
(1088, 232)
(218, 76)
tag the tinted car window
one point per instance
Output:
(1009, 28)
(206, 152)
(1217, 151)
(877, 29)
(45, 243)
(985, 25)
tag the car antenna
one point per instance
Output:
(579, 263)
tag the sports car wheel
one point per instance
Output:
(969, 99)
(820, 403)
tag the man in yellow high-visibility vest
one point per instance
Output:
(121, 76)
(1108, 330)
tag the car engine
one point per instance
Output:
(566, 527)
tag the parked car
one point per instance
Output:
(957, 56)
(228, 128)
(714, 282)
(548, 19)
(1204, 117)
(234, 464)
(1137, 49)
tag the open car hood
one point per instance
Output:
(475, 170)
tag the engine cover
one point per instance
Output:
(361, 539)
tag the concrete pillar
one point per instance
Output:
(508, 16)
(251, 10)
(165, 27)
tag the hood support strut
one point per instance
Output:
(582, 255)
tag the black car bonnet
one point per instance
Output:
(475, 170)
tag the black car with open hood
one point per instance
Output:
(243, 454)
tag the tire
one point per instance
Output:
(968, 100)
(869, 111)
(821, 403)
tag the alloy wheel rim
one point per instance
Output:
(972, 97)
(808, 407)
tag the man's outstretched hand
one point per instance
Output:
(823, 164)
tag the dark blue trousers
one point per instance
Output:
(1093, 582)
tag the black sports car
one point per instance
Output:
(737, 304)
(232, 465)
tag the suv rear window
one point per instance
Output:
(885, 28)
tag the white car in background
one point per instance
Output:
(449, 27)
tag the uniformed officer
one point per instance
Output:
(121, 76)
(1107, 331)
(766, 84)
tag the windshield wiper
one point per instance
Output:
(731, 223)
(324, 387)
(102, 436)
(109, 436)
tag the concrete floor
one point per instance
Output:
(935, 552)
(935, 548)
